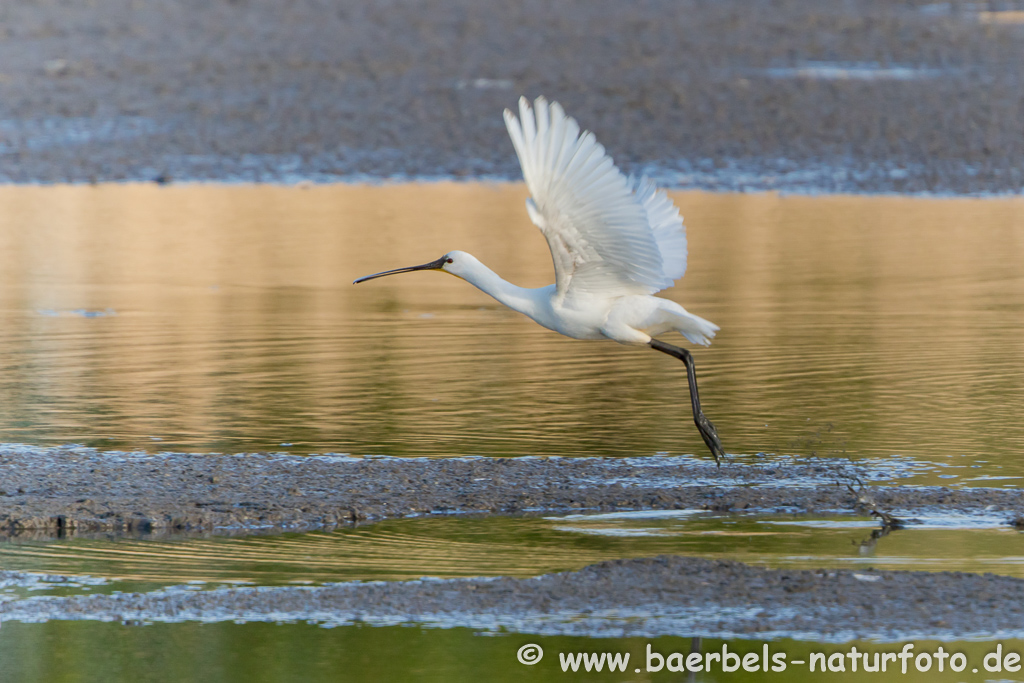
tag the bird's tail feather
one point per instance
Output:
(695, 328)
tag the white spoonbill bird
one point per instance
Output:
(615, 241)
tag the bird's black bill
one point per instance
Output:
(433, 265)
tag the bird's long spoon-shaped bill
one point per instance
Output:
(433, 265)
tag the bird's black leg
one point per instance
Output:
(707, 430)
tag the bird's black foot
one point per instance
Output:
(710, 436)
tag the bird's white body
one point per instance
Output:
(614, 241)
(627, 318)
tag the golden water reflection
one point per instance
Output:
(222, 318)
(523, 547)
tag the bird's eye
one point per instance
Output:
(451, 260)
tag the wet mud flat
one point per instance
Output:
(867, 95)
(64, 491)
(77, 491)
(665, 595)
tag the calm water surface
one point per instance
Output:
(223, 318)
(522, 547)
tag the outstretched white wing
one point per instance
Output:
(608, 234)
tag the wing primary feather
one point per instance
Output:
(568, 151)
(607, 233)
(563, 140)
(581, 155)
(555, 139)
(540, 111)
(516, 133)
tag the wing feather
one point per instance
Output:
(667, 225)
(608, 234)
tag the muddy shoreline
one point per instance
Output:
(795, 95)
(67, 491)
(649, 597)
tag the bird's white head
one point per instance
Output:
(458, 263)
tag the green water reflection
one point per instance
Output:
(458, 547)
(79, 652)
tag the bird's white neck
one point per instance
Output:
(522, 299)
